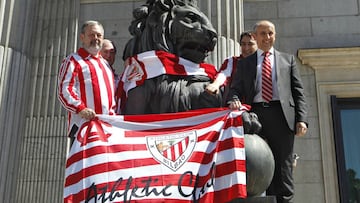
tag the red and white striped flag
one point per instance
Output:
(195, 156)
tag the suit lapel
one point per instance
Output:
(253, 67)
(277, 65)
(252, 76)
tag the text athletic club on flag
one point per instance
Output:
(195, 156)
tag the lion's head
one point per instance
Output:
(175, 26)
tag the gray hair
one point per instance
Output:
(262, 22)
(90, 23)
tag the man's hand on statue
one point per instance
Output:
(212, 88)
(87, 113)
(235, 104)
(301, 129)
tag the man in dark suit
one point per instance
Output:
(280, 104)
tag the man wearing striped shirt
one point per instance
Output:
(85, 80)
(224, 77)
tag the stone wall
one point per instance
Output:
(308, 23)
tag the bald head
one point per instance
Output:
(263, 23)
(264, 34)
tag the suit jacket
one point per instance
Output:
(291, 91)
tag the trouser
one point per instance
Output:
(280, 139)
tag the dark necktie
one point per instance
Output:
(266, 78)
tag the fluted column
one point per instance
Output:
(35, 36)
(227, 17)
(14, 64)
(44, 146)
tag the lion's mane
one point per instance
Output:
(168, 25)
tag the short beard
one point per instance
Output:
(93, 50)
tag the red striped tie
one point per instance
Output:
(266, 78)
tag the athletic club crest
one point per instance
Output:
(172, 150)
(133, 71)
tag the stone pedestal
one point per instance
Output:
(266, 199)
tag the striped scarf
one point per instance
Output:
(151, 64)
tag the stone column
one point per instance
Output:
(35, 36)
(45, 142)
(14, 65)
(227, 17)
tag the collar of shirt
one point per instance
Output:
(84, 54)
(260, 57)
(260, 52)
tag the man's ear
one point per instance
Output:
(253, 35)
(82, 36)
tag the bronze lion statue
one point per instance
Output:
(165, 73)
(177, 27)
(164, 70)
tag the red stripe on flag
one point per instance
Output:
(233, 122)
(228, 194)
(170, 130)
(106, 167)
(229, 167)
(231, 143)
(103, 150)
(172, 116)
